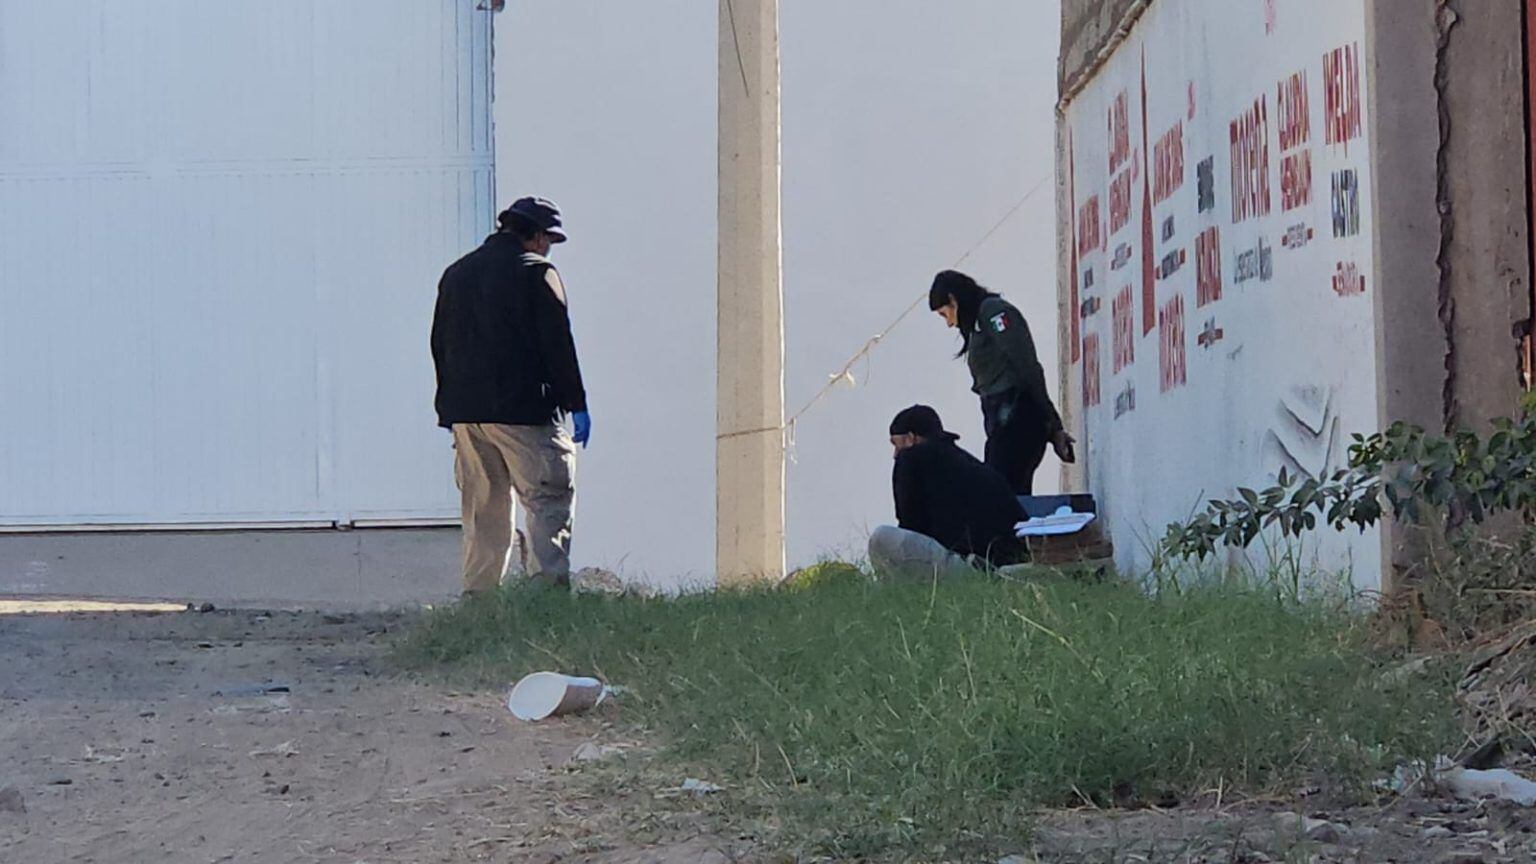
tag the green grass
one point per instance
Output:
(873, 716)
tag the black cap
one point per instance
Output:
(922, 421)
(541, 213)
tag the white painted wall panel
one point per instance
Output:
(910, 129)
(1275, 367)
(221, 226)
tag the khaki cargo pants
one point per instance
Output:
(538, 464)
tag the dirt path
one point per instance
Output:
(244, 737)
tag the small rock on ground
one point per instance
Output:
(593, 580)
(594, 752)
(1438, 832)
(1316, 830)
(11, 801)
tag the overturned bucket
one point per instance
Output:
(549, 694)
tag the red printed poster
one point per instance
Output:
(1173, 366)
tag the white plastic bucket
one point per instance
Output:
(549, 694)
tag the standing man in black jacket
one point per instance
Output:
(950, 508)
(506, 375)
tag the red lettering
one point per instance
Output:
(1208, 266)
(1294, 111)
(1119, 132)
(1348, 281)
(1250, 162)
(1168, 164)
(1088, 227)
(1173, 366)
(1120, 202)
(1123, 323)
(1342, 110)
(1296, 180)
(1091, 370)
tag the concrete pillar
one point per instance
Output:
(1411, 341)
(1448, 136)
(749, 453)
(1486, 256)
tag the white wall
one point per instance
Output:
(609, 109)
(220, 228)
(909, 130)
(1293, 373)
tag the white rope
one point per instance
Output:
(845, 374)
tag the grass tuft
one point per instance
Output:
(877, 716)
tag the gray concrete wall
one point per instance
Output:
(1448, 121)
(350, 570)
(1485, 256)
(1452, 253)
(1411, 341)
(1087, 26)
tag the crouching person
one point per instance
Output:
(951, 510)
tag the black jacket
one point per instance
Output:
(949, 495)
(501, 340)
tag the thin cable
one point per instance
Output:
(845, 373)
(730, 10)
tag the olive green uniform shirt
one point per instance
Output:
(1002, 357)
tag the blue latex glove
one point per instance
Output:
(583, 423)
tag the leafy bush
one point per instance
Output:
(1463, 477)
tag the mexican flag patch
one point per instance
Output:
(1000, 322)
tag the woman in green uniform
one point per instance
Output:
(1016, 411)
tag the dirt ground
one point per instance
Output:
(246, 737)
(1405, 832)
(282, 737)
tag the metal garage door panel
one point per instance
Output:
(220, 227)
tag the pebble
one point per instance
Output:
(1316, 830)
(60, 781)
(1437, 832)
(11, 801)
(590, 751)
(1327, 832)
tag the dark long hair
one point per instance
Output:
(968, 298)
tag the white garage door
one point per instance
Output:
(221, 226)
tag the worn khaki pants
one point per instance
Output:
(538, 464)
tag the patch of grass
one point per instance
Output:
(875, 716)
